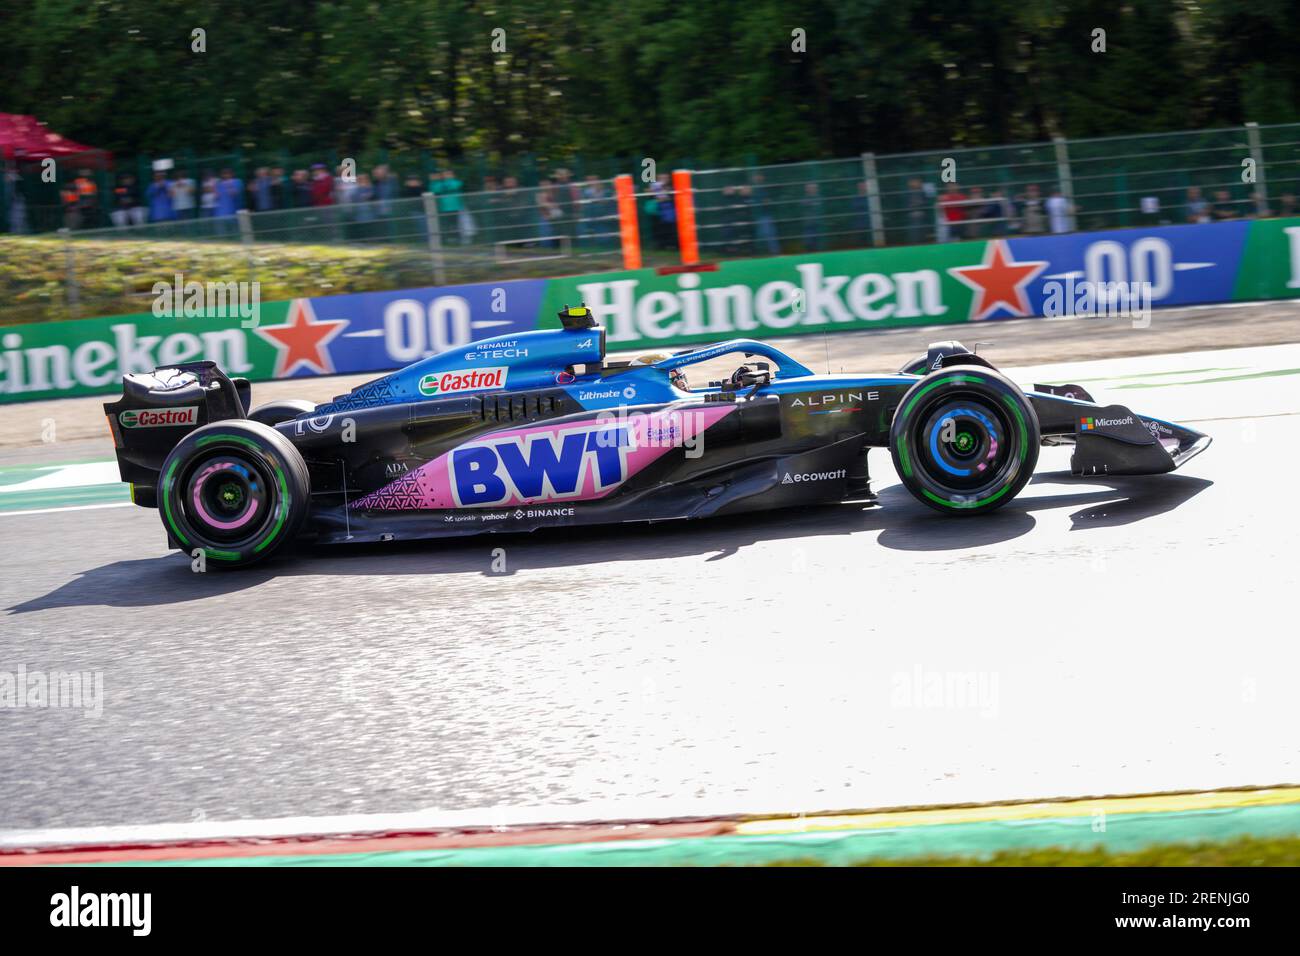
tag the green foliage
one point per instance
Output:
(707, 83)
(1244, 851)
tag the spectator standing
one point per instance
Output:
(952, 205)
(82, 202)
(1032, 216)
(448, 187)
(667, 214)
(281, 189)
(322, 186)
(230, 199)
(262, 190)
(208, 198)
(385, 188)
(1000, 212)
(300, 188)
(17, 203)
(160, 199)
(361, 198)
(1224, 207)
(126, 203)
(182, 196)
(1058, 213)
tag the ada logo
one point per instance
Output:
(159, 417)
(574, 462)
(463, 380)
(394, 468)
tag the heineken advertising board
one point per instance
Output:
(746, 298)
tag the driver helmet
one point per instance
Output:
(676, 375)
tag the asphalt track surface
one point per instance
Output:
(1093, 637)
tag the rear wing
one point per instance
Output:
(159, 408)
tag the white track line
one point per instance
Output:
(46, 511)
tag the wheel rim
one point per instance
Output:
(969, 445)
(227, 497)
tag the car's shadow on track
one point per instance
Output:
(900, 521)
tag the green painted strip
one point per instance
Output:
(35, 469)
(1123, 832)
(1122, 378)
(1210, 381)
(63, 497)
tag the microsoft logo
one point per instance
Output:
(1087, 424)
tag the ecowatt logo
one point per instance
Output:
(98, 362)
(816, 299)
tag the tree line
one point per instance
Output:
(711, 82)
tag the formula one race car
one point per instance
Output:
(537, 429)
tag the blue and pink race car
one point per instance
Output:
(538, 429)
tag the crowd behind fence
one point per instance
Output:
(568, 223)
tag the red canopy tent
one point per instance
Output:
(25, 139)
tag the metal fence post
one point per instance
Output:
(435, 238)
(73, 295)
(873, 199)
(1257, 154)
(245, 219)
(1066, 180)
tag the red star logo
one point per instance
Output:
(302, 341)
(999, 282)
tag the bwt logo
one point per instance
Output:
(541, 466)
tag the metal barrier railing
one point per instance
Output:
(574, 226)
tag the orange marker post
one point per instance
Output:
(685, 200)
(628, 231)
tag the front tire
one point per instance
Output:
(964, 440)
(236, 489)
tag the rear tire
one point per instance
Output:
(236, 489)
(964, 440)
